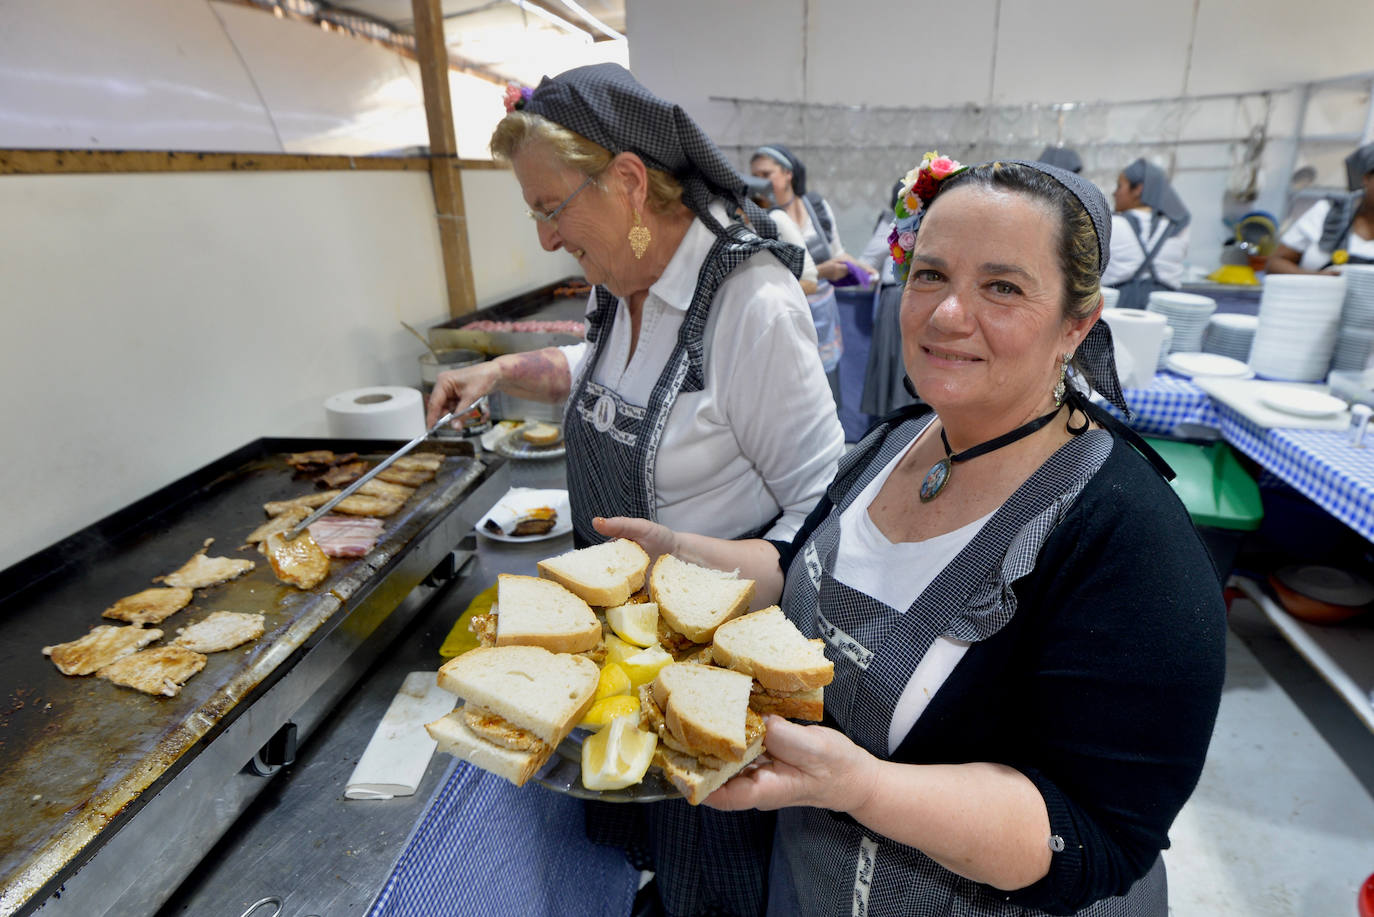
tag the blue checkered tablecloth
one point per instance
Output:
(1166, 402)
(1322, 465)
(485, 847)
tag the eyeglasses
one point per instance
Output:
(550, 219)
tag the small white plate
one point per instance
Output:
(1195, 363)
(523, 497)
(1302, 403)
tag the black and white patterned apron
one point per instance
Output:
(835, 865)
(613, 444)
(1135, 291)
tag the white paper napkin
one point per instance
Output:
(395, 759)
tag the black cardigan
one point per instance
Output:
(1102, 689)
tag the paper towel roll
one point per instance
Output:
(1140, 334)
(380, 412)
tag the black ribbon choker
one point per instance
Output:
(938, 475)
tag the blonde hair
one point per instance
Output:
(517, 130)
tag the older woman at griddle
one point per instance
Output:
(699, 399)
(1028, 634)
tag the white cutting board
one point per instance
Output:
(1243, 395)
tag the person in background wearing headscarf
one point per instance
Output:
(760, 191)
(1063, 157)
(1149, 235)
(1335, 231)
(813, 215)
(886, 387)
(1028, 635)
(698, 398)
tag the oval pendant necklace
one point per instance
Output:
(938, 475)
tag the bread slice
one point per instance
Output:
(695, 600)
(541, 434)
(768, 647)
(546, 693)
(605, 574)
(457, 739)
(539, 612)
(704, 708)
(696, 780)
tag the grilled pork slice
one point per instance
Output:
(360, 505)
(221, 630)
(149, 606)
(341, 475)
(283, 522)
(376, 488)
(484, 628)
(309, 501)
(500, 731)
(201, 571)
(103, 645)
(160, 670)
(408, 477)
(299, 561)
(419, 461)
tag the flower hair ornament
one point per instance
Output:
(516, 97)
(919, 188)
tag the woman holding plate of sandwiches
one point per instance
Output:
(1028, 635)
(699, 399)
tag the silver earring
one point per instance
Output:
(1061, 387)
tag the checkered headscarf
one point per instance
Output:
(608, 106)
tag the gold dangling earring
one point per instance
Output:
(639, 238)
(1061, 387)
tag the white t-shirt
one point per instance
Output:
(1127, 255)
(763, 435)
(1304, 235)
(896, 575)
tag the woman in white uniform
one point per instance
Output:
(1334, 231)
(1149, 235)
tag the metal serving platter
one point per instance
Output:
(452, 335)
(83, 762)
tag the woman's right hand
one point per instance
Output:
(455, 390)
(655, 539)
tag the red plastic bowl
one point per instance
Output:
(1367, 898)
(1313, 610)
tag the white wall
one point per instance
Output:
(995, 68)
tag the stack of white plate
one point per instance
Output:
(1231, 334)
(1355, 338)
(1186, 313)
(1109, 297)
(1298, 319)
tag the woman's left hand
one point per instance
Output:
(808, 766)
(833, 268)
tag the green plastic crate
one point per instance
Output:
(1212, 484)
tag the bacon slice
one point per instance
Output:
(346, 536)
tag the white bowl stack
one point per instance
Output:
(1355, 337)
(1231, 334)
(1186, 313)
(1109, 297)
(1298, 319)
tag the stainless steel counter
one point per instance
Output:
(303, 841)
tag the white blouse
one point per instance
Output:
(1127, 254)
(896, 574)
(1304, 235)
(763, 437)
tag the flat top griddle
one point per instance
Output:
(78, 753)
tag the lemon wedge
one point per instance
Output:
(607, 709)
(617, 650)
(612, 681)
(637, 624)
(644, 666)
(617, 757)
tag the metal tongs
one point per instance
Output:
(352, 488)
